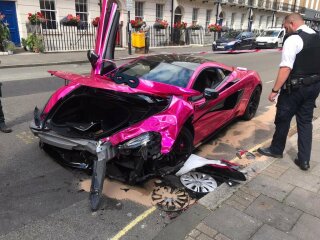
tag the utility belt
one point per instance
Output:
(295, 83)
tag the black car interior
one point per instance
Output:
(207, 79)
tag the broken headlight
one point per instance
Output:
(141, 140)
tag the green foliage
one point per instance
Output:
(34, 42)
(4, 31)
(9, 46)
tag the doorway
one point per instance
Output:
(8, 8)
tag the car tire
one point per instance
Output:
(275, 45)
(252, 104)
(183, 146)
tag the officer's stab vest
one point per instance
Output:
(307, 60)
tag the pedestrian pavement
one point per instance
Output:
(278, 202)
(26, 59)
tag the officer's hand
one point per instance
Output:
(273, 96)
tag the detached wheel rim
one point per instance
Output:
(198, 182)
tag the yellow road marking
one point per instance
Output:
(134, 223)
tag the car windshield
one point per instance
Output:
(174, 73)
(269, 33)
(231, 34)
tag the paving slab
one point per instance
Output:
(301, 179)
(232, 223)
(304, 200)
(308, 227)
(267, 232)
(270, 187)
(274, 213)
(184, 224)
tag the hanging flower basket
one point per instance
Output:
(70, 20)
(195, 27)
(137, 23)
(214, 28)
(95, 21)
(180, 25)
(160, 24)
(36, 18)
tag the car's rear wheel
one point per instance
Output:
(182, 147)
(252, 104)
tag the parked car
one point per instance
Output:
(234, 40)
(144, 118)
(271, 38)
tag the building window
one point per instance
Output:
(138, 6)
(208, 18)
(243, 16)
(268, 21)
(260, 21)
(82, 10)
(195, 15)
(233, 17)
(48, 9)
(159, 11)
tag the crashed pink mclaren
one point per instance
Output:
(144, 118)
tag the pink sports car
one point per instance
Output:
(144, 118)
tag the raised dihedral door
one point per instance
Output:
(106, 36)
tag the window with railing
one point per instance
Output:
(195, 15)
(138, 6)
(159, 11)
(48, 10)
(82, 10)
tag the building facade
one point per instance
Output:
(234, 14)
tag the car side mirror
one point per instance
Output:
(93, 57)
(210, 93)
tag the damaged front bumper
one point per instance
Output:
(103, 150)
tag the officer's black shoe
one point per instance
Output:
(4, 128)
(302, 165)
(267, 152)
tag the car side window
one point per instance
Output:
(281, 34)
(208, 78)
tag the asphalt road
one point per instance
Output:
(39, 199)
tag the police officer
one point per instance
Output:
(3, 127)
(298, 83)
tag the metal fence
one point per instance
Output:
(79, 38)
(69, 38)
(162, 37)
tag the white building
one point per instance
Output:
(234, 14)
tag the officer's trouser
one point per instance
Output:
(1, 113)
(300, 102)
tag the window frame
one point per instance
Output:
(195, 14)
(82, 13)
(159, 11)
(138, 8)
(208, 18)
(44, 11)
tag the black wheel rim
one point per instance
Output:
(254, 102)
(181, 149)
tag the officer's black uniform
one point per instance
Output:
(1, 111)
(297, 97)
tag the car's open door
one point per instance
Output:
(101, 58)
